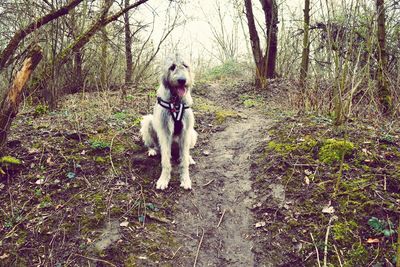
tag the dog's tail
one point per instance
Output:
(146, 128)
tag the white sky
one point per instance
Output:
(195, 36)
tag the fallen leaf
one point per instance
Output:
(4, 256)
(124, 224)
(307, 180)
(328, 209)
(373, 240)
(49, 161)
(260, 224)
(40, 181)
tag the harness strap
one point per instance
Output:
(176, 110)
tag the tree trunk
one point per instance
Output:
(270, 9)
(12, 97)
(265, 62)
(103, 59)
(128, 50)
(7, 53)
(306, 46)
(383, 90)
(255, 46)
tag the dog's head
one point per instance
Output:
(177, 76)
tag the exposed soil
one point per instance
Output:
(219, 205)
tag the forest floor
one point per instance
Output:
(270, 187)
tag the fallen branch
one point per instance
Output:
(316, 249)
(326, 240)
(209, 182)
(12, 97)
(220, 219)
(198, 248)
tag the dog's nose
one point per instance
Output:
(181, 81)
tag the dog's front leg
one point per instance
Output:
(185, 161)
(165, 146)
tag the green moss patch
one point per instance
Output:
(309, 157)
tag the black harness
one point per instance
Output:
(176, 110)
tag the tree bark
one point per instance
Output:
(306, 46)
(128, 49)
(12, 97)
(7, 53)
(383, 90)
(270, 9)
(255, 45)
(265, 62)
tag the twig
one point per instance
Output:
(95, 259)
(316, 249)
(209, 182)
(110, 155)
(326, 240)
(220, 219)
(198, 248)
(384, 182)
(338, 256)
(174, 253)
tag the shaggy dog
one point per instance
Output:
(172, 121)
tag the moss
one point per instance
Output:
(357, 256)
(342, 231)
(333, 150)
(281, 147)
(100, 159)
(41, 109)
(308, 143)
(130, 261)
(9, 160)
(222, 115)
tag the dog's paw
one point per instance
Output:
(186, 183)
(191, 161)
(152, 152)
(162, 183)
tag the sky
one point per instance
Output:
(195, 35)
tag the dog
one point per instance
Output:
(172, 121)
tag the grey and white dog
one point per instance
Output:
(172, 121)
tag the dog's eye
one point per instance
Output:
(172, 68)
(186, 66)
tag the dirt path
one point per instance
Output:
(221, 196)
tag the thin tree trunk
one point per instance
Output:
(7, 53)
(306, 46)
(255, 46)
(270, 9)
(12, 97)
(103, 59)
(128, 51)
(383, 90)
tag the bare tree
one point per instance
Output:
(128, 48)
(383, 89)
(306, 45)
(265, 60)
(8, 52)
